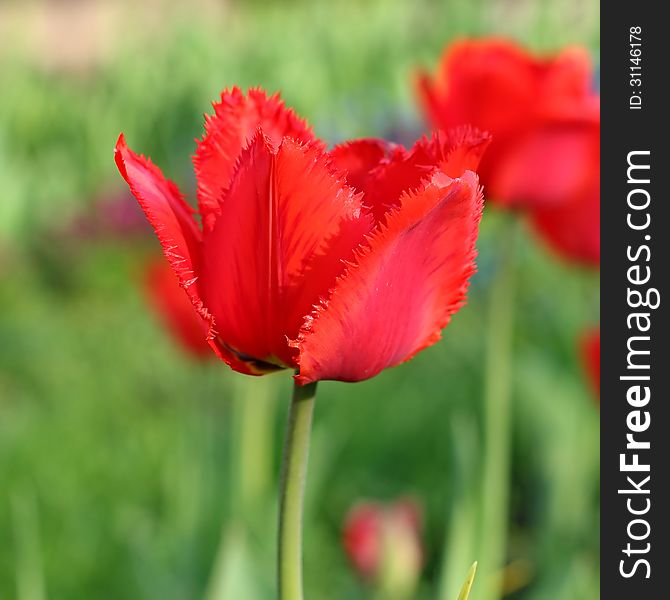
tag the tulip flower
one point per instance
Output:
(384, 545)
(175, 310)
(590, 353)
(545, 122)
(537, 110)
(336, 265)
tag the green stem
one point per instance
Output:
(293, 475)
(461, 535)
(497, 424)
(254, 412)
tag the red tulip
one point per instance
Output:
(590, 351)
(375, 533)
(572, 229)
(301, 261)
(535, 108)
(175, 309)
(361, 538)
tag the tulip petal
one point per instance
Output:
(165, 208)
(402, 288)
(379, 169)
(282, 210)
(568, 84)
(546, 165)
(528, 104)
(454, 151)
(175, 309)
(572, 228)
(172, 220)
(384, 171)
(234, 122)
(491, 84)
(357, 159)
(401, 173)
(495, 84)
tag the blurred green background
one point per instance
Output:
(129, 470)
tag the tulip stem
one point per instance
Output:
(253, 429)
(293, 475)
(497, 422)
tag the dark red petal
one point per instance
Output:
(172, 220)
(235, 121)
(175, 309)
(572, 228)
(280, 213)
(402, 289)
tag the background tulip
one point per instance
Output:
(572, 229)
(535, 108)
(545, 121)
(384, 544)
(174, 309)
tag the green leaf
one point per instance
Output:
(469, 580)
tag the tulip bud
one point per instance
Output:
(384, 545)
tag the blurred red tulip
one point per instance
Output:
(572, 229)
(541, 113)
(375, 533)
(336, 264)
(175, 309)
(545, 122)
(361, 538)
(590, 351)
